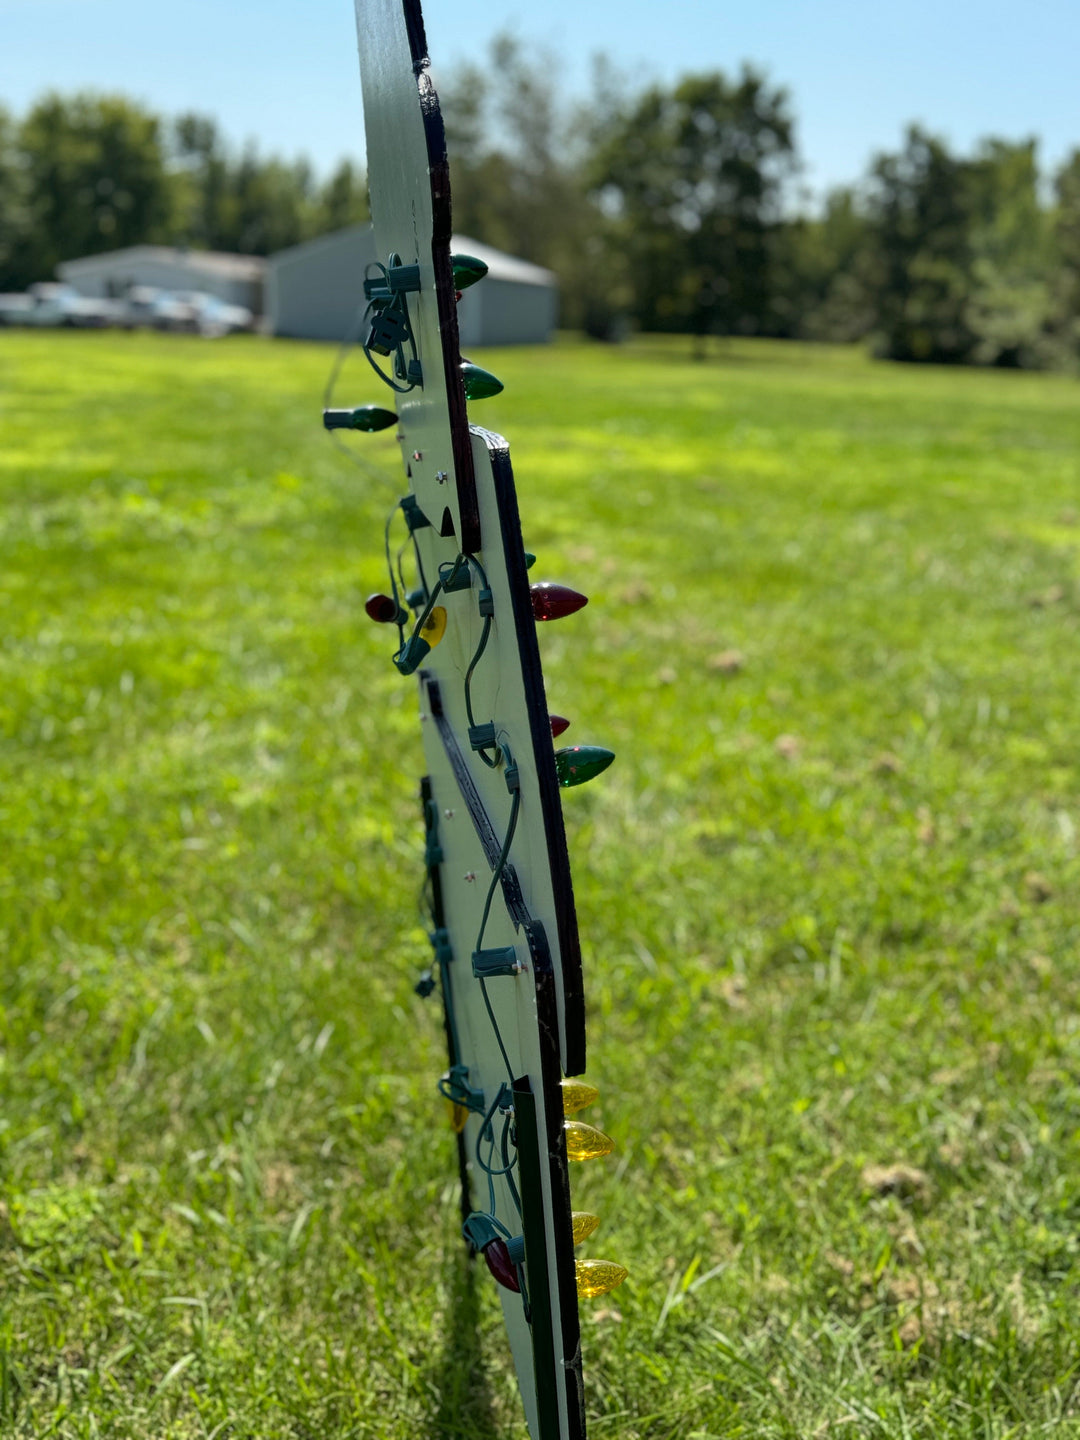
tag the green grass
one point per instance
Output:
(828, 894)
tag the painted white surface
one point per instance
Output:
(499, 695)
(403, 222)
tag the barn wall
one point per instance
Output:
(513, 313)
(314, 293)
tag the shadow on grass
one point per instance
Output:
(465, 1411)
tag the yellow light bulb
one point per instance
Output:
(585, 1142)
(597, 1277)
(434, 627)
(584, 1224)
(576, 1095)
(458, 1116)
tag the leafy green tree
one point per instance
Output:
(202, 182)
(271, 205)
(1009, 309)
(823, 277)
(1066, 237)
(920, 211)
(94, 177)
(695, 177)
(518, 156)
(251, 204)
(511, 174)
(16, 261)
(961, 260)
(343, 200)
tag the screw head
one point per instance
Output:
(470, 876)
(441, 477)
(449, 814)
(417, 455)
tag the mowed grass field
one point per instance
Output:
(828, 894)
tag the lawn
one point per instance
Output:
(828, 897)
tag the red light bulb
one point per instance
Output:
(501, 1266)
(381, 608)
(552, 602)
(559, 723)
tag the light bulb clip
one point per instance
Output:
(411, 653)
(454, 1086)
(488, 964)
(456, 575)
(482, 737)
(440, 943)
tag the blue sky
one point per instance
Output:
(285, 74)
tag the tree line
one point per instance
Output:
(663, 207)
(87, 173)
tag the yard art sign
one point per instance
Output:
(499, 898)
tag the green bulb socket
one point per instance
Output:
(479, 384)
(411, 654)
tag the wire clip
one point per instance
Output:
(454, 1086)
(487, 964)
(456, 575)
(482, 737)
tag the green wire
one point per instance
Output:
(489, 760)
(390, 571)
(500, 865)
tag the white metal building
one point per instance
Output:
(314, 290)
(237, 279)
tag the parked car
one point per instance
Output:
(13, 308)
(147, 306)
(49, 304)
(213, 316)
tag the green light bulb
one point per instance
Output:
(578, 763)
(479, 384)
(467, 270)
(364, 417)
(372, 417)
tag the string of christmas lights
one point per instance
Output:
(516, 1007)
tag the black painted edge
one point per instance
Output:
(562, 884)
(414, 25)
(533, 1228)
(562, 1225)
(445, 295)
